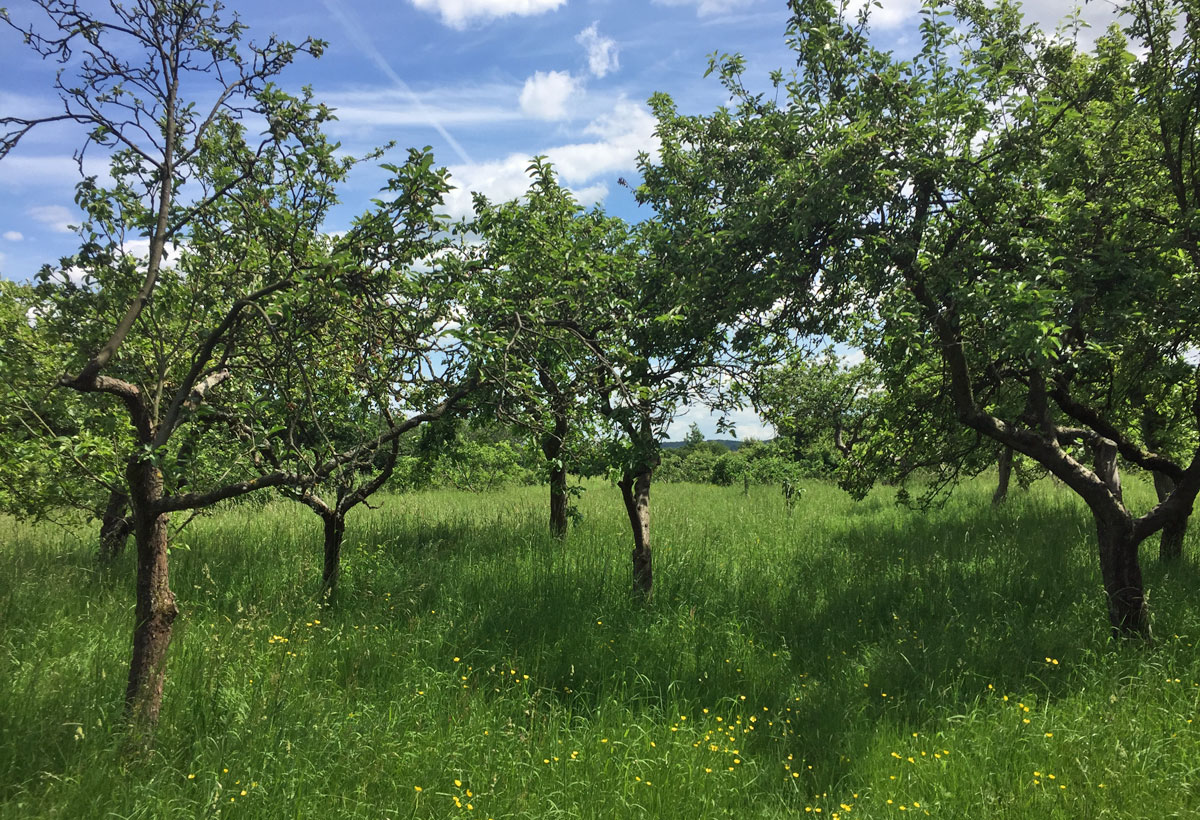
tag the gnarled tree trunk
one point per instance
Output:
(1127, 610)
(155, 611)
(635, 490)
(1170, 545)
(1119, 566)
(1004, 465)
(115, 526)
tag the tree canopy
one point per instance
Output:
(1000, 221)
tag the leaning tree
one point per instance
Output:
(1004, 213)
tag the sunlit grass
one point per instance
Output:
(850, 660)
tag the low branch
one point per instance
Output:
(185, 391)
(282, 478)
(1129, 450)
(1175, 506)
(199, 391)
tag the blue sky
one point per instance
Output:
(487, 83)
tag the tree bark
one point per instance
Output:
(1005, 468)
(115, 526)
(155, 611)
(1119, 566)
(1127, 610)
(335, 532)
(1170, 545)
(552, 449)
(558, 500)
(553, 443)
(635, 489)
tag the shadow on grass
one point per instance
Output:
(869, 616)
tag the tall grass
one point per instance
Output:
(855, 660)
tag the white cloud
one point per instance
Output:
(137, 247)
(592, 194)
(389, 107)
(889, 14)
(460, 13)
(619, 136)
(140, 248)
(364, 109)
(1049, 14)
(747, 424)
(56, 217)
(707, 8)
(601, 51)
(500, 180)
(622, 134)
(546, 93)
(13, 236)
(365, 44)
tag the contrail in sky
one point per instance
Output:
(364, 44)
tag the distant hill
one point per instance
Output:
(730, 443)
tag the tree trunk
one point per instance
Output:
(114, 526)
(1005, 467)
(552, 448)
(155, 611)
(1170, 545)
(635, 489)
(335, 531)
(1127, 610)
(558, 501)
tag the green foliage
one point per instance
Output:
(247, 341)
(539, 271)
(59, 454)
(479, 459)
(755, 463)
(1001, 222)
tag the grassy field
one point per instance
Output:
(850, 661)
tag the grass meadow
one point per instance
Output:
(853, 660)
